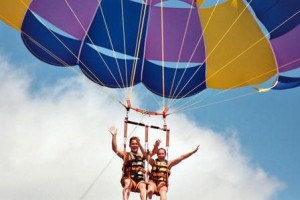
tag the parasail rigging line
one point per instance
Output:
(258, 41)
(137, 47)
(224, 67)
(198, 105)
(90, 74)
(189, 105)
(198, 42)
(163, 52)
(160, 104)
(93, 183)
(45, 49)
(218, 43)
(124, 40)
(247, 49)
(180, 52)
(97, 178)
(112, 46)
(93, 77)
(193, 105)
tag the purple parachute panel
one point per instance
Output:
(181, 33)
(72, 16)
(286, 49)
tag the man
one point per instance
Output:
(134, 165)
(160, 172)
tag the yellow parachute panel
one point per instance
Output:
(199, 2)
(12, 12)
(238, 53)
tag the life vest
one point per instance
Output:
(134, 166)
(160, 171)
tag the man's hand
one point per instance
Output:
(113, 130)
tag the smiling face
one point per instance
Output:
(161, 154)
(133, 144)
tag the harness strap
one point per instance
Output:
(136, 169)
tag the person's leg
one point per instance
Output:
(151, 189)
(142, 189)
(126, 188)
(163, 193)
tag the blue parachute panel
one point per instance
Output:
(178, 83)
(108, 71)
(116, 28)
(285, 82)
(278, 16)
(47, 45)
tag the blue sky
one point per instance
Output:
(55, 122)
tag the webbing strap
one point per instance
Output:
(125, 138)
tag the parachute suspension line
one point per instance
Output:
(162, 52)
(112, 46)
(189, 105)
(291, 62)
(153, 97)
(66, 64)
(124, 40)
(208, 54)
(83, 196)
(198, 43)
(221, 39)
(137, 46)
(85, 193)
(259, 40)
(217, 46)
(179, 56)
(283, 23)
(204, 29)
(196, 105)
(87, 36)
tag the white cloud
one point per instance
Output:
(55, 145)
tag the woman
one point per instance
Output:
(160, 172)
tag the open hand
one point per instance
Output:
(157, 143)
(113, 130)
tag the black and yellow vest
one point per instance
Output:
(160, 171)
(134, 166)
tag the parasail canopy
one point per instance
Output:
(175, 48)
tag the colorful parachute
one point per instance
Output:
(176, 48)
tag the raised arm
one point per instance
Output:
(155, 148)
(113, 130)
(145, 154)
(182, 157)
(153, 152)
